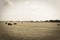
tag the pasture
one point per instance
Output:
(29, 30)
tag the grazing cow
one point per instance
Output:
(9, 24)
(15, 23)
(58, 24)
(6, 23)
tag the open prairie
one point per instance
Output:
(29, 30)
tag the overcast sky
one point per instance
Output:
(29, 10)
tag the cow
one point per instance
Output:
(58, 24)
(9, 23)
(6, 23)
(15, 23)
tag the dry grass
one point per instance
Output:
(30, 31)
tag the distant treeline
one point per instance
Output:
(44, 21)
(35, 21)
(52, 20)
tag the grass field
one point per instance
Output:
(29, 31)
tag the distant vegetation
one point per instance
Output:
(52, 21)
(33, 21)
(45, 21)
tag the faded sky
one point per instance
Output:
(29, 9)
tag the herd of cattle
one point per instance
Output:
(10, 23)
(16, 24)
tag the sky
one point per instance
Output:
(26, 10)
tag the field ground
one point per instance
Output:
(29, 31)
